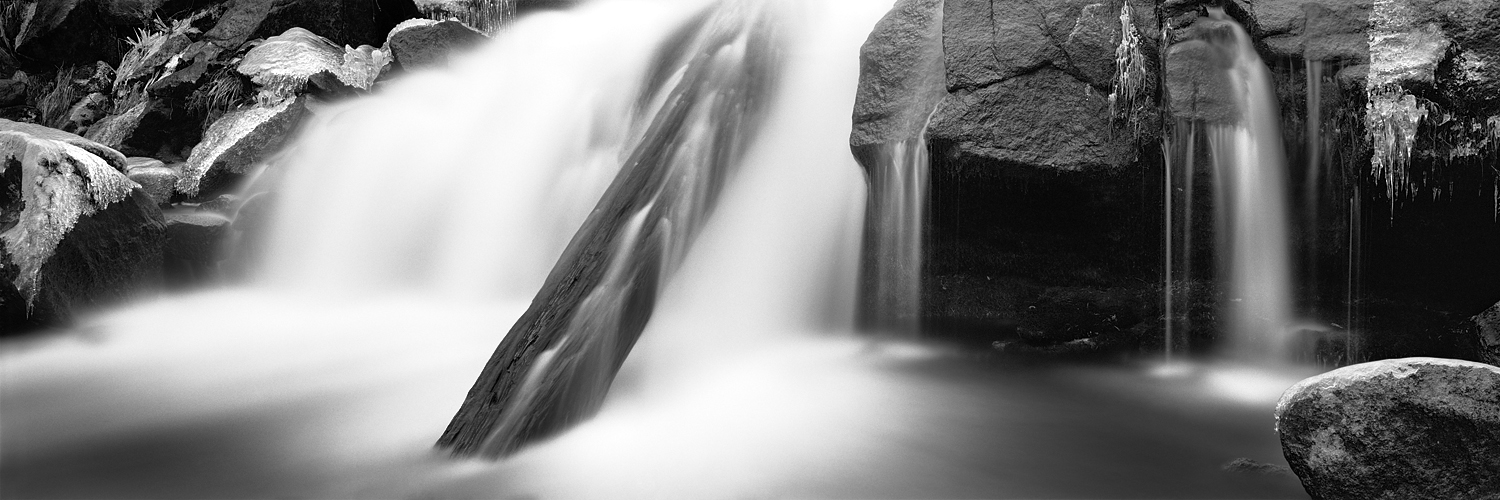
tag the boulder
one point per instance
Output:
(76, 232)
(159, 181)
(1411, 428)
(284, 64)
(421, 43)
(234, 144)
(901, 74)
(1488, 323)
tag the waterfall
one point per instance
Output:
(1250, 198)
(896, 214)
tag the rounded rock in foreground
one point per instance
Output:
(1412, 428)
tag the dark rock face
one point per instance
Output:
(419, 43)
(1412, 428)
(1029, 81)
(75, 232)
(1488, 323)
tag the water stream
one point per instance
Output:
(412, 229)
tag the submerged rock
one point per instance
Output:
(235, 143)
(76, 231)
(159, 181)
(1411, 428)
(421, 43)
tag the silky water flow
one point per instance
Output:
(412, 228)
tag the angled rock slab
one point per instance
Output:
(1412, 428)
(234, 144)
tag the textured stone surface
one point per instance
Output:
(420, 43)
(158, 181)
(235, 143)
(901, 74)
(1045, 119)
(1412, 428)
(1196, 77)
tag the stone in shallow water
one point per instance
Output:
(1395, 429)
(159, 181)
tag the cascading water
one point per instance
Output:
(1248, 163)
(488, 16)
(412, 227)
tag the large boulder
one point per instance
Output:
(901, 74)
(76, 233)
(1412, 428)
(234, 144)
(421, 43)
(1030, 82)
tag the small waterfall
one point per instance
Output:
(1250, 199)
(896, 216)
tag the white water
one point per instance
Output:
(409, 245)
(1250, 163)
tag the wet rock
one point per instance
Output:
(159, 181)
(193, 247)
(901, 74)
(421, 43)
(1197, 82)
(1488, 323)
(76, 232)
(1411, 428)
(237, 142)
